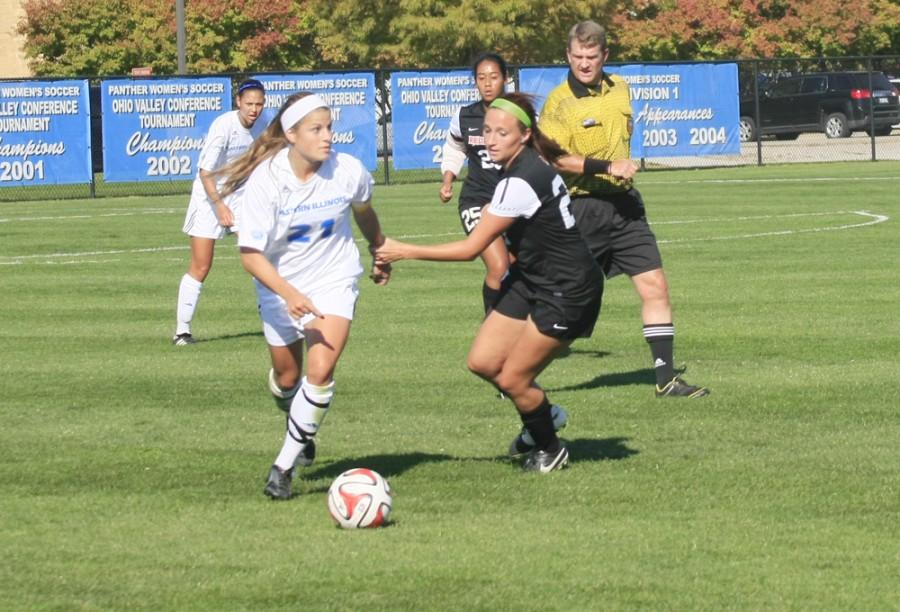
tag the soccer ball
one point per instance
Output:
(360, 498)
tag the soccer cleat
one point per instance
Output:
(544, 461)
(524, 443)
(183, 339)
(679, 388)
(278, 485)
(307, 455)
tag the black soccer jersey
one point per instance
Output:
(467, 128)
(550, 253)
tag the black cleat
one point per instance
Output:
(679, 388)
(544, 461)
(183, 339)
(524, 443)
(278, 486)
(307, 455)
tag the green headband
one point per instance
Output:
(513, 109)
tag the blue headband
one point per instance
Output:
(250, 84)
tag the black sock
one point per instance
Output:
(661, 338)
(540, 424)
(490, 297)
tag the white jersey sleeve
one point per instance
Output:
(453, 155)
(360, 181)
(215, 146)
(514, 197)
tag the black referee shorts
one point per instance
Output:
(617, 233)
(553, 317)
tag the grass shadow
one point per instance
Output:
(386, 465)
(605, 449)
(645, 376)
(255, 334)
(569, 351)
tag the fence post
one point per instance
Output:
(871, 108)
(384, 130)
(756, 113)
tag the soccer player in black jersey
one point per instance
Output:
(555, 286)
(465, 141)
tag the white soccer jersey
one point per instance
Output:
(225, 141)
(303, 228)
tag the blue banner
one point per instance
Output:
(45, 133)
(422, 106)
(679, 109)
(153, 130)
(352, 100)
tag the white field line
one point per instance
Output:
(821, 179)
(132, 213)
(872, 219)
(127, 212)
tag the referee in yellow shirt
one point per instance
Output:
(589, 115)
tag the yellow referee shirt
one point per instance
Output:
(591, 122)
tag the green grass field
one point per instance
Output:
(131, 472)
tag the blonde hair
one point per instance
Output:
(270, 142)
(589, 34)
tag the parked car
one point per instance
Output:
(895, 81)
(836, 103)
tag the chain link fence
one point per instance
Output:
(757, 78)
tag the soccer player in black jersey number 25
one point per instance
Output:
(554, 288)
(465, 141)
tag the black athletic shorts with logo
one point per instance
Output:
(470, 214)
(553, 316)
(617, 233)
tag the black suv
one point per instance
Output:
(836, 103)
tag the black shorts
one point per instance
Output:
(470, 215)
(553, 317)
(617, 233)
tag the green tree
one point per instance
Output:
(416, 33)
(85, 37)
(99, 37)
(717, 29)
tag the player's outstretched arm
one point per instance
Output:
(487, 230)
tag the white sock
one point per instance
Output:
(188, 296)
(308, 411)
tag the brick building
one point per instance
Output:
(12, 58)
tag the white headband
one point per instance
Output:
(300, 109)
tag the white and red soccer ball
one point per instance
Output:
(360, 498)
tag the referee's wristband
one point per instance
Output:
(596, 166)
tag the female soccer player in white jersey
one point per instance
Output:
(211, 215)
(555, 286)
(296, 242)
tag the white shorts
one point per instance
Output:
(281, 329)
(201, 220)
